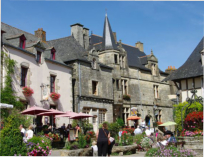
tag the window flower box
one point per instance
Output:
(27, 91)
(55, 96)
(127, 97)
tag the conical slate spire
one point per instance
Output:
(108, 39)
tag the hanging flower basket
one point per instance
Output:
(126, 97)
(27, 91)
(55, 96)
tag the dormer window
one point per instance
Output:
(22, 42)
(53, 54)
(153, 69)
(38, 56)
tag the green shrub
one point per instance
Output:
(127, 153)
(12, 142)
(114, 129)
(74, 145)
(67, 145)
(42, 140)
(152, 152)
(146, 142)
(120, 122)
(82, 141)
(74, 123)
(138, 138)
(130, 140)
(114, 154)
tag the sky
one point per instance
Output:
(171, 29)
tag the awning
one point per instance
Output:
(2, 105)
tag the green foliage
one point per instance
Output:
(195, 106)
(138, 138)
(15, 119)
(12, 142)
(82, 141)
(128, 153)
(74, 123)
(120, 122)
(152, 152)
(114, 154)
(86, 126)
(146, 142)
(113, 128)
(42, 140)
(130, 140)
(7, 93)
(67, 145)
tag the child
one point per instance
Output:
(95, 148)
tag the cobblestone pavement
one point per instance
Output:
(138, 154)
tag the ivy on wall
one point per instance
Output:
(7, 93)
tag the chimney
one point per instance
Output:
(77, 33)
(115, 37)
(86, 37)
(139, 45)
(170, 69)
(40, 33)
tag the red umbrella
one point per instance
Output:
(133, 118)
(81, 116)
(67, 114)
(52, 112)
(34, 110)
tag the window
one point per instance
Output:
(94, 87)
(94, 63)
(116, 59)
(39, 57)
(23, 76)
(86, 110)
(52, 54)
(22, 42)
(156, 91)
(153, 69)
(126, 88)
(52, 84)
(102, 113)
(158, 116)
(94, 119)
(117, 84)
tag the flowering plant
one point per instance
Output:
(55, 137)
(55, 96)
(146, 142)
(37, 150)
(91, 133)
(88, 138)
(27, 91)
(126, 97)
(194, 121)
(192, 133)
(129, 130)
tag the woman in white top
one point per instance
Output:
(29, 133)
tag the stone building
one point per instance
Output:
(190, 75)
(111, 79)
(38, 67)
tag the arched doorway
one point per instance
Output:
(147, 120)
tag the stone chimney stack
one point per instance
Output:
(86, 38)
(77, 33)
(139, 45)
(170, 69)
(40, 33)
(115, 37)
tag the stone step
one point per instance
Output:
(188, 146)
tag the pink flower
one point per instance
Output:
(42, 141)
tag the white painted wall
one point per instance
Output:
(40, 74)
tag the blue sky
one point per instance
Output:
(171, 29)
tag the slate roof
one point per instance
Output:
(13, 33)
(68, 48)
(192, 67)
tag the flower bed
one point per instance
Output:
(55, 96)
(192, 133)
(55, 137)
(194, 121)
(27, 91)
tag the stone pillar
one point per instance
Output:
(125, 119)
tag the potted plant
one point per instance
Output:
(126, 97)
(27, 91)
(55, 96)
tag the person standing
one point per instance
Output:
(29, 133)
(102, 137)
(77, 131)
(110, 146)
(22, 130)
(137, 130)
(142, 124)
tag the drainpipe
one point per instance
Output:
(79, 89)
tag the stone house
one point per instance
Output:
(190, 75)
(37, 67)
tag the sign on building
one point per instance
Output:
(133, 111)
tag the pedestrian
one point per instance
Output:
(22, 130)
(142, 124)
(78, 129)
(29, 133)
(95, 148)
(156, 133)
(161, 141)
(110, 146)
(137, 130)
(170, 137)
(102, 137)
(120, 133)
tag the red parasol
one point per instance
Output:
(133, 118)
(67, 114)
(81, 116)
(34, 110)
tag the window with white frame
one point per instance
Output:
(102, 114)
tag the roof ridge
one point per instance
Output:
(97, 43)
(61, 38)
(97, 35)
(18, 29)
(128, 45)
